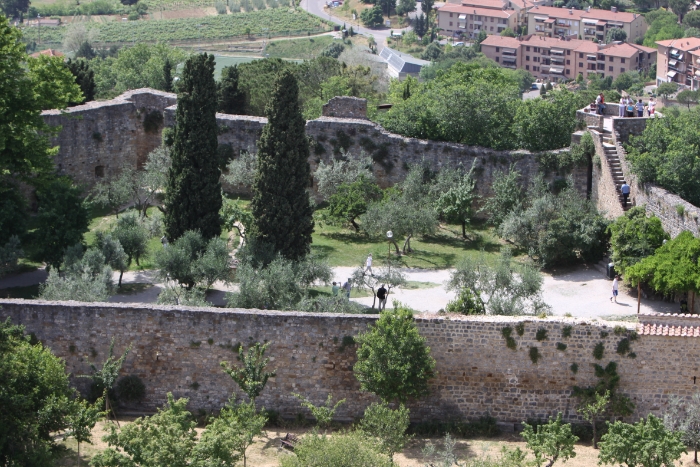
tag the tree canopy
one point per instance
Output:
(634, 236)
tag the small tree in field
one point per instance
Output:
(393, 361)
(646, 443)
(388, 274)
(322, 413)
(251, 377)
(592, 410)
(684, 417)
(82, 420)
(104, 378)
(387, 425)
(550, 442)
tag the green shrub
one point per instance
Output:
(535, 355)
(598, 351)
(623, 347)
(541, 334)
(467, 303)
(574, 368)
(561, 346)
(520, 329)
(566, 331)
(131, 388)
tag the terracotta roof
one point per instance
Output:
(648, 329)
(620, 50)
(580, 14)
(500, 41)
(49, 52)
(452, 8)
(490, 4)
(642, 48)
(687, 44)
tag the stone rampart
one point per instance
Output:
(178, 349)
(100, 137)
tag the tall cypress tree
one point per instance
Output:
(85, 78)
(168, 75)
(231, 97)
(282, 211)
(193, 196)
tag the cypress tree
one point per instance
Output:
(193, 196)
(282, 211)
(231, 97)
(84, 77)
(168, 75)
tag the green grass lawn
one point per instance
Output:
(341, 246)
(306, 48)
(26, 292)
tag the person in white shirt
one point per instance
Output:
(621, 110)
(615, 288)
(368, 265)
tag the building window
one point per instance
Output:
(527, 58)
(450, 23)
(100, 171)
(492, 20)
(580, 65)
(527, 48)
(491, 28)
(450, 15)
(567, 71)
(580, 55)
(470, 26)
(568, 52)
(568, 62)
(622, 60)
(471, 16)
(622, 70)
(497, 59)
(610, 68)
(498, 49)
(527, 67)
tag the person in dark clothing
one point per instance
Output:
(625, 189)
(381, 295)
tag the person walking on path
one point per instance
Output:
(335, 289)
(615, 290)
(368, 265)
(640, 108)
(625, 189)
(381, 295)
(346, 288)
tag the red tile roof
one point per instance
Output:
(490, 4)
(500, 41)
(648, 329)
(621, 50)
(687, 44)
(452, 8)
(580, 14)
(49, 52)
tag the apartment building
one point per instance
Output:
(679, 62)
(520, 7)
(589, 24)
(468, 21)
(558, 59)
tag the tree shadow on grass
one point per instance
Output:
(322, 251)
(438, 260)
(351, 237)
(477, 242)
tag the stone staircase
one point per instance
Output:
(614, 165)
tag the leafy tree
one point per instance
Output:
(251, 377)
(345, 171)
(84, 77)
(662, 154)
(10, 253)
(111, 193)
(54, 85)
(466, 303)
(646, 443)
(387, 425)
(626, 80)
(323, 413)
(257, 79)
(684, 417)
(168, 67)
(405, 6)
(346, 449)
(277, 283)
(614, 35)
(692, 19)
(176, 295)
(663, 24)
(35, 396)
(193, 196)
(114, 253)
(228, 437)
(427, 9)
(690, 32)
(372, 17)
(231, 99)
(501, 288)
(673, 268)
(85, 278)
(24, 137)
(593, 410)
(351, 200)
(608, 383)
(14, 8)
(687, 97)
(192, 261)
(556, 113)
(241, 171)
(282, 211)
(82, 420)
(432, 52)
(13, 211)
(507, 196)
(550, 442)
(61, 221)
(507, 32)
(166, 438)
(388, 275)
(666, 89)
(393, 361)
(479, 39)
(420, 24)
(133, 237)
(680, 7)
(634, 236)
(103, 379)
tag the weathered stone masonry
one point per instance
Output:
(477, 373)
(99, 137)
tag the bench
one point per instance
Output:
(289, 441)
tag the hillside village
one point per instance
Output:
(382, 233)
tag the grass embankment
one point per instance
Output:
(273, 22)
(306, 48)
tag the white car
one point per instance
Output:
(458, 44)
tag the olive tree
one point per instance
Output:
(550, 442)
(683, 416)
(345, 170)
(389, 275)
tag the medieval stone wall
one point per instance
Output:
(178, 350)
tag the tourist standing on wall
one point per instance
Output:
(640, 108)
(381, 295)
(621, 109)
(335, 289)
(625, 189)
(346, 288)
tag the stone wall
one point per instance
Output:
(99, 137)
(603, 192)
(176, 347)
(623, 128)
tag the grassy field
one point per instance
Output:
(306, 48)
(275, 22)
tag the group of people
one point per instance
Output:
(627, 108)
(382, 292)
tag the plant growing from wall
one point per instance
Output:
(574, 368)
(541, 334)
(599, 351)
(510, 342)
(251, 377)
(131, 388)
(322, 413)
(608, 381)
(393, 360)
(103, 379)
(551, 441)
(520, 329)
(561, 346)
(535, 355)
(566, 331)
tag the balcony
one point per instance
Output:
(591, 58)
(559, 61)
(589, 32)
(557, 52)
(509, 53)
